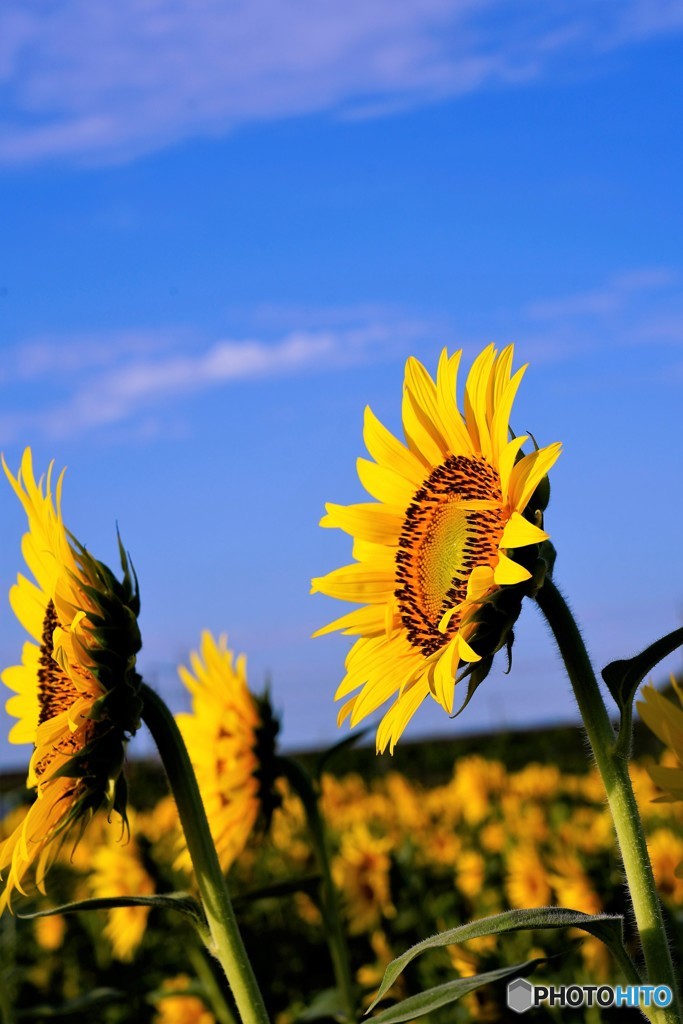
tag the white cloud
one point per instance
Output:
(637, 309)
(612, 296)
(108, 379)
(106, 82)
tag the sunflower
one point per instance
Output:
(456, 506)
(118, 869)
(665, 720)
(526, 883)
(361, 871)
(230, 737)
(176, 1005)
(76, 688)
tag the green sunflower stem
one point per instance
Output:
(613, 768)
(199, 958)
(302, 785)
(226, 941)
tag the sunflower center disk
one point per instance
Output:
(441, 542)
(56, 693)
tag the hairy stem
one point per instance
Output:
(614, 771)
(303, 787)
(226, 941)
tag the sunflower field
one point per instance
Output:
(408, 859)
(248, 884)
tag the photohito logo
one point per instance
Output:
(523, 996)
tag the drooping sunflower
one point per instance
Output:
(442, 543)
(230, 737)
(75, 691)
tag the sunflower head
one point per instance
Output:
(665, 720)
(76, 689)
(449, 548)
(230, 736)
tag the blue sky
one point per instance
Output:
(226, 227)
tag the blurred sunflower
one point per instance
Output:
(230, 737)
(665, 720)
(361, 871)
(440, 545)
(174, 1006)
(76, 696)
(49, 932)
(118, 869)
(526, 883)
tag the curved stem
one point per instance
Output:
(614, 771)
(303, 787)
(226, 940)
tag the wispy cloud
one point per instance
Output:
(612, 296)
(641, 308)
(106, 82)
(109, 379)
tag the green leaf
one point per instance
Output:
(181, 902)
(607, 927)
(624, 677)
(327, 1004)
(90, 1001)
(336, 748)
(442, 995)
(343, 744)
(307, 883)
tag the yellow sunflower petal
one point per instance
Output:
(357, 582)
(388, 450)
(424, 397)
(500, 423)
(529, 472)
(378, 524)
(465, 652)
(28, 603)
(443, 676)
(447, 381)
(399, 714)
(422, 436)
(506, 462)
(369, 621)
(519, 532)
(385, 484)
(476, 400)
(480, 582)
(508, 572)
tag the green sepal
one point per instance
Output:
(624, 677)
(443, 995)
(540, 499)
(606, 927)
(475, 673)
(98, 997)
(181, 902)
